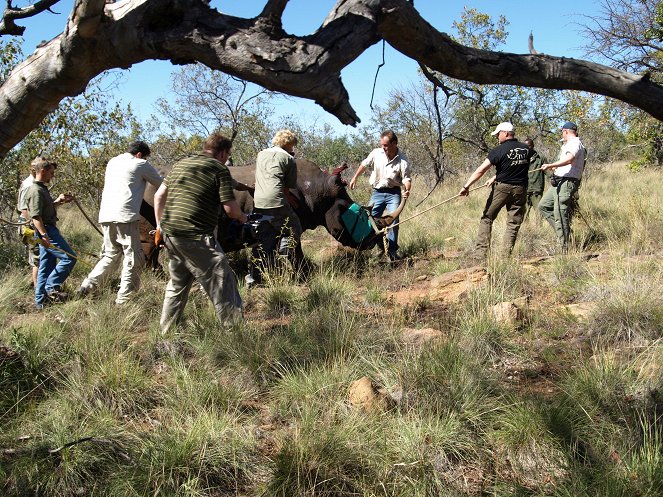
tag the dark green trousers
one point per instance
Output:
(533, 199)
(556, 207)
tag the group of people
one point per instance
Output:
(188, 202)
(187, 205)
(518, 186)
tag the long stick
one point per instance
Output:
(430, 208)
(94, 225)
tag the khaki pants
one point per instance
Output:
(201, 260)
(121, 240)
(513, 197)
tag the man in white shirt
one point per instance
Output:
(391, 171)
(556, 205)
(119, 213)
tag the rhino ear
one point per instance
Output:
(336, 181)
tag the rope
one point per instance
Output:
(10, 223)
(384, 230)
(94, 225)
(376, 76)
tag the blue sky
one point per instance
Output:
(553, 24)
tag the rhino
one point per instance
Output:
(322, 201)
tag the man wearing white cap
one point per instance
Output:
(556, 206)
(509, 188)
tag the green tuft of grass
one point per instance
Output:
(280, 300)
(326, 290)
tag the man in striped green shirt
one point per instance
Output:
(187, 209)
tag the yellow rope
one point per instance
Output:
(30, 239)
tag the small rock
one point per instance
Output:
(507, 313)
(418, 337)
(394, 395)
(521, 303)
(423, 277)
(362, 394)
(581, 311)
(454, 286)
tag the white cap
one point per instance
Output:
(508, 127)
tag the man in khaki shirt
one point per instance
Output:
(276, 174)
(56, 258)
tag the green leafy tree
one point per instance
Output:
(328, 149)
(444, 123)
(656, 31)
(81, 135)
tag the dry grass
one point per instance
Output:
(557, 404)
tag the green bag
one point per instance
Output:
(357, 223)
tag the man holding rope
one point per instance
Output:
(391, 171)
(126, 177)
(509, 188)
(556, 206)
(56, 259)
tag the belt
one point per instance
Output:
(393, 189)
(511, 184)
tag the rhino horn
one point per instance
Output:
(384, 221)
(340, 169)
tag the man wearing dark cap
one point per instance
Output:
(556, 206)
(509, 188)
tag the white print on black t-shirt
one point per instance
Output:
(518, 154)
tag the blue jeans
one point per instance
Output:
(54, 266)
(386, 202)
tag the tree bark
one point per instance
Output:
(103, 36)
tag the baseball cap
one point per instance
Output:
(508, 127)
(570, 125)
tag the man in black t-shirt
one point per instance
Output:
(509, 188)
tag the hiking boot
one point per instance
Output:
(57, 296)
